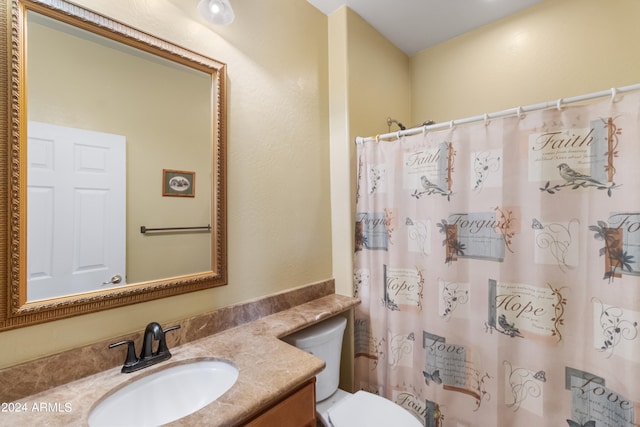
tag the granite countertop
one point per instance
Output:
(268, 369)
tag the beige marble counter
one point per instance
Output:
(268, 368)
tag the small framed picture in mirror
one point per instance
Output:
(176, 183)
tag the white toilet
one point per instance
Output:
(336, 407)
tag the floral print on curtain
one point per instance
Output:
(498, 266)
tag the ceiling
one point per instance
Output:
(415, 25)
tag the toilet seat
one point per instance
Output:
(365, 409)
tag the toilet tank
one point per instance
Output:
(323, 340)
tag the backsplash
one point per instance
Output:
(47, 372)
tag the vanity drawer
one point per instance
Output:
(296, 410)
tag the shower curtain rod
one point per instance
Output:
(510, 112)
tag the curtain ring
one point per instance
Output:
(424, 130)
(378, 138)
(559, 104)
(614, 92)
(451, 125)
(486, 119)
(519, 112)
(399, 134)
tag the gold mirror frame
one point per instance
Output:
(15, 311)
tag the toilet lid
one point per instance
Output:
(365, 409)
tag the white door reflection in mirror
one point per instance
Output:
(80, 249)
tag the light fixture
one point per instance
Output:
(217, 12)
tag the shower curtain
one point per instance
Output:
(498, 264)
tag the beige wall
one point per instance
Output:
(379, 80)
(559, 48)
(278, 165)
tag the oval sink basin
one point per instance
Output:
(166, 395)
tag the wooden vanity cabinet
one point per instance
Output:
(297, 409)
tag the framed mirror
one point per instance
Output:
(114, 182)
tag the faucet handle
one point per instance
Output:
(162, 345)
(172, 328)
(131, 352)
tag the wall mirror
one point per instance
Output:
(114, 165)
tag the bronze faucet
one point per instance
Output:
(148, 357)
